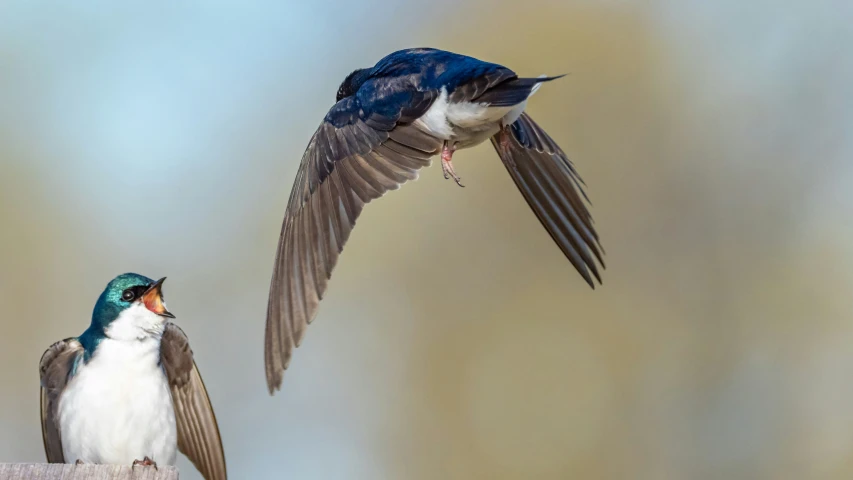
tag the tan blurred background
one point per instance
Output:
(456, 342)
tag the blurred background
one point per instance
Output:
(455, 342)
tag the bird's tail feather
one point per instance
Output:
(513, 92)
(542, 79)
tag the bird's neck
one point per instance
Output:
(129, 354)
(90, 339)
(123, 336)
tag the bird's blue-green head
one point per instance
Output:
(131, 307)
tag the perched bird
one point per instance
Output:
(127, 391)
(388, 122)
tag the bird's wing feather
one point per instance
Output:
(553, 189)
(198, 432)
(55, 369)
(365, 147)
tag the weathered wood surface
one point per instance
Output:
(60, 471)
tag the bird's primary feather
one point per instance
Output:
(552, 188)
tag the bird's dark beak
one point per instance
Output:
(153, 299)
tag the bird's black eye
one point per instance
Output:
(128, 295)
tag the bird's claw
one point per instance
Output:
(447, 166)
(458, 180)
(146, 462)
(78, 462)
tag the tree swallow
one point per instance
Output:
(127, 391)
(388, 122)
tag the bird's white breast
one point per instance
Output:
(118, 408)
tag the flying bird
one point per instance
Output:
(387, 123)
(127, 391)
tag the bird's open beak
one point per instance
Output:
(153, 299)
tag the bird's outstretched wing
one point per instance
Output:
(365, 147)
(198, 432)
(553, 189)
(55, 369)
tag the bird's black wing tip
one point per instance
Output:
(591, 282)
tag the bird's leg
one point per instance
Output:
(504, 138)
(447, 164)
(146, 462)
(78, 462)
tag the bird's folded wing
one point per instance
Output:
(55, 369)
(553, 189)
(198, 432)
(356, 155)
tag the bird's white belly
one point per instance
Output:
(118, 407)
(465, 124)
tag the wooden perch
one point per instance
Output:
(61, 471)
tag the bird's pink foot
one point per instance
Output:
(447, 164)
(145, 462)
(78, 462)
